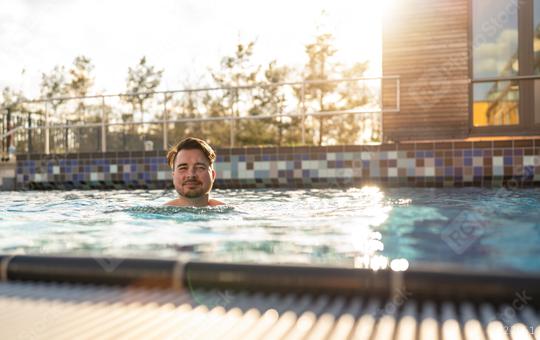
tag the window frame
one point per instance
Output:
(525, 77)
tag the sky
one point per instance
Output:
(183, 37)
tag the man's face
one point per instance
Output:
(192, 174)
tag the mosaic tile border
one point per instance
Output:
(422, 164)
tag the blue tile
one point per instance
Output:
(365, 164)
(340, 164)
(528, 171)
(467, 161)
(266, 157)
(448, 171)
(242, 158)
(262, 174)
(477, 152)
(467, 153)
(508, 160)
(153, 167)
(133, 167)
(428, 154)
(438, 162)
(306, 173)
(419, 154)
(305, 156)
(478, 171)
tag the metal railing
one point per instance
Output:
(300, 111)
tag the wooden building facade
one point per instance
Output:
(467, 68)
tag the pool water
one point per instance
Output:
(361, 227)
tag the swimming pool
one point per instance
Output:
(361, 227)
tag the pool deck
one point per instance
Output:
(232, 301)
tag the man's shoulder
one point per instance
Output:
(174, 202)
(213, 202)
(179, 203)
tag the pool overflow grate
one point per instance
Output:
(75, 297)
(67, 311)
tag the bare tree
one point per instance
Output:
(142, 81)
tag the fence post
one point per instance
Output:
(103, 126)
(233, 120)
(47, 146)
(165, 123)
(381, 114)
(303, 98)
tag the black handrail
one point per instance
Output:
(421, 281)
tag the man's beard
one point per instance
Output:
(192, 193)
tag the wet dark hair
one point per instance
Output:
(191, 143)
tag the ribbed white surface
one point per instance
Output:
(53, 311)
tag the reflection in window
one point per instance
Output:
(495, 38)
(537, 101)
(536, 41)
(496, 103)
(536, 49)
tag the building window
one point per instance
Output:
(496, 103)
(505, 72)
(495, 54)
(495, 38)
(536, 51)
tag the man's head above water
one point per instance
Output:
(192, 164)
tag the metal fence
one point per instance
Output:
(292, 113)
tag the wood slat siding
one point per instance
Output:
(425, 43)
